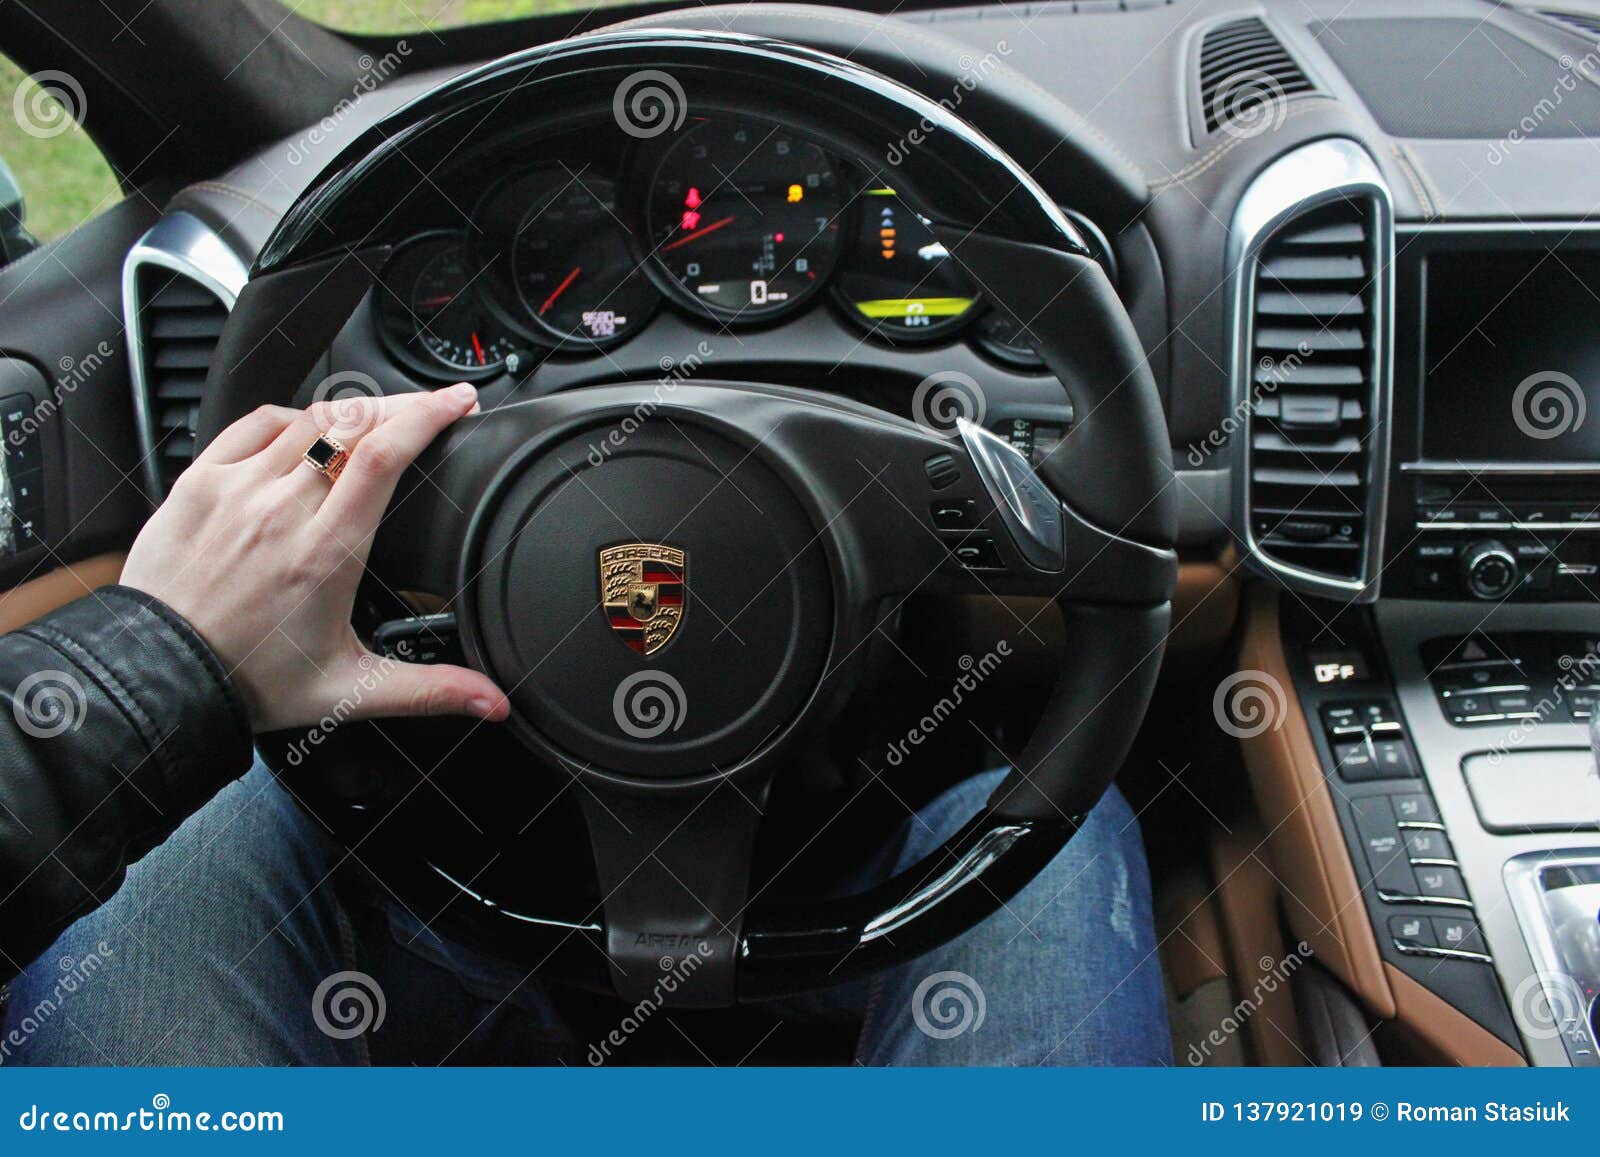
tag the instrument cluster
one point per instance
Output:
(740, 223)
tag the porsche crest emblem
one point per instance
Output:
(643, 594)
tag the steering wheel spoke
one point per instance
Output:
(674, 864)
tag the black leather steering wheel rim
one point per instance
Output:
(1112, 475)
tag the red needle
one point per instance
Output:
(701, 232)
(560, 289)
(442, 299)
(477, 347)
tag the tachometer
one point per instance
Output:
(898, 279)
(431, 312)
(744, 218)
(572, 262)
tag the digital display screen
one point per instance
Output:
(1511, 357)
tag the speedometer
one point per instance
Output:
(573, 263)
(744, 218)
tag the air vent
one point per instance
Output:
(180, 322)
(1311, 381)
(178, 284)
(1583, 24)
(1245, 70)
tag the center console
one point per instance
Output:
(1495, 425)
(1418, 463)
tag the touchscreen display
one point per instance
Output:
(1511, 357)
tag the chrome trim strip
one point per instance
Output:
(184, 244)
(1448, 953)
(1441, 901)
(1317, 174)
(1462, 466)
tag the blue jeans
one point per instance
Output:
(213, 951)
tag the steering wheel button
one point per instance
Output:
(955, 515)
(978, 554)
(942, 471)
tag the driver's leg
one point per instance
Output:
(1065, 974)
(209, 954)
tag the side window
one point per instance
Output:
(48, 160)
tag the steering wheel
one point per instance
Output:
(746, 537)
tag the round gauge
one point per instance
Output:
(744, 218)
(433, 315)
(572, 262)
(898, 279)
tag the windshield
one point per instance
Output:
(396, 16)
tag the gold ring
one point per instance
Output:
(327, 456)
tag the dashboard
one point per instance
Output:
(734, 224)
(1372, 331)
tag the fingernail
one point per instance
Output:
(464, 392)
(481, 707)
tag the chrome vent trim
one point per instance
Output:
(184, 245)
(1313, 177)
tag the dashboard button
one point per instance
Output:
(1513, 703)
(1441, 884)
(1413, 931)
(1458, 932)
(1386, 855)
(1355, 761)
(1415, 808)
(1393, 759)
(1427, 844)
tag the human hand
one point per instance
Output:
(261, 554)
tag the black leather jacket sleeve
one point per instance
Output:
(116, 722)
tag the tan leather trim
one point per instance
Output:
(1205, 605)
(1192, 953)
(1246, 898)
(22, 604)
(1445, 1035)
(1320, 892)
